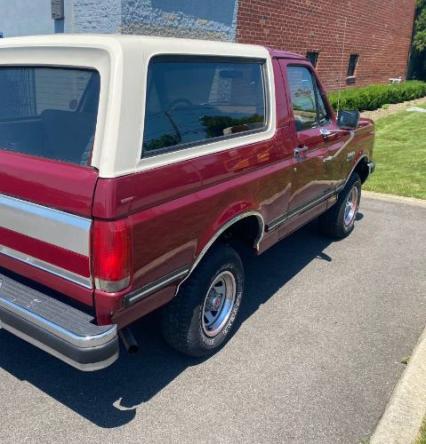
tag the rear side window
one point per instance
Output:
(49, 112)
(196, 100)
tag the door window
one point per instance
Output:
(309, 109)
(323, 116)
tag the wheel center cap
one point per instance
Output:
(216, 302)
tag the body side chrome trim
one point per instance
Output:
(184, 273)
(218, 233)
(317, 201)
(157, 285)
(298, 211)
(55, 227)
(228, 225)
(45, 266)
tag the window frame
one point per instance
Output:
(352, 75)
(320, 95)
(316, 57)
(218, 59)
(318, 92)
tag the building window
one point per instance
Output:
(353, 61)
(312, 56)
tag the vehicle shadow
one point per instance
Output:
(109, 398)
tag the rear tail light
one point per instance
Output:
(111, 253)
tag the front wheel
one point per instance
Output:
(200, 319)
(338, 222)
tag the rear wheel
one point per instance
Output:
(200, 318)
(338, 222)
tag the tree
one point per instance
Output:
(418, 50)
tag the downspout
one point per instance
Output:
(409, 67)
(58, 15)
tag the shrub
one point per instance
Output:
(372, 97)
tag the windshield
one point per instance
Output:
(49, 112)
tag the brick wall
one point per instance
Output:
(379, 31)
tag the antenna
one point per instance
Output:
(341, 64)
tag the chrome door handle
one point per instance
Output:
(325, 132)
(299, 151)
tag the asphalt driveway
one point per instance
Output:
(325, 327)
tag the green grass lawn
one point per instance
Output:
(400, 155)
(422, 434)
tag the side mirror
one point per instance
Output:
(348, 119)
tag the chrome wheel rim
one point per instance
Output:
(218, 303)
(351, 207)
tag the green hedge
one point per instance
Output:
(372, 97)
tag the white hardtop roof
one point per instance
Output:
(114, 42)
(122, 61)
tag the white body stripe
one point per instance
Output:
(54, 227)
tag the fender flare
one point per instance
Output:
(220, 231)
(361, 159)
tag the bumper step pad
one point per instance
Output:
(55, 327)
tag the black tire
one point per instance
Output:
(332, 222)
(183, 321)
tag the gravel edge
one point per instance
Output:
(392, 109)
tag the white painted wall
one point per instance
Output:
(24, 17)
(207, 19)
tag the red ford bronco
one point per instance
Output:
(133, 170)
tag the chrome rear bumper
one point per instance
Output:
(55, 327)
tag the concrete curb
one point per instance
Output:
(404, 413)
(392, 198)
